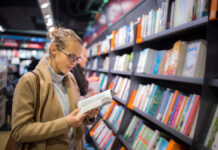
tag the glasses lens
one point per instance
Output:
(73, 58)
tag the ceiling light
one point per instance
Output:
(1, 29)
(51, 29)
(44, 5)
(49, 22)
(47, 16)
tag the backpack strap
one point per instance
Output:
(37, 95)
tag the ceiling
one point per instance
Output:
(23, 15)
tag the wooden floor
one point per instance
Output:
(4, 135)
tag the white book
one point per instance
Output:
(117, 85)
(140, 96)
(142, 61)
(194, 125)
(105, 139)
(105, 83)
(114, 112)
(194, 65)
(126, 92)
(95, 101)
(123, 87)
(137, 95)
(154, 140)
(150, 61)
(146, 92)
(148, 96)
(143, 26)
(149, 23)
(190, 6)
(172, 14)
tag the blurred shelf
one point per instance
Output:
(168, 129)
(119, 100)
(213, 82)
(180, 29)
(171, 78)
(102, 70)
(125, 143)
(121, 73)
(19, 48)
(120, 48)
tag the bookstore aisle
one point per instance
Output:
(160, 58)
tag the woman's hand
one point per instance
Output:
(92, 113)
(73, 120)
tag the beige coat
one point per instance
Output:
(50, 132)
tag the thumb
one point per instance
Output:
(75, 112)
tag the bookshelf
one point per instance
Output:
(171, 78)
(23, 48)
(200, 28)
(187, 140)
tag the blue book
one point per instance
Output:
(117, 116)
(164, 145)
(174, 108)
(150, 99)
(164, 104)
(108, 143)
(158, 61)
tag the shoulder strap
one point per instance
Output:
(37, 95)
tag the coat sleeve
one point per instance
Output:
(24, 129)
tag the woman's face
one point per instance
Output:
(84, 57)
(62, 63)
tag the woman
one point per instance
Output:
(59, 95)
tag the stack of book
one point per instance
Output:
(123, 63)
(123, 36)
(103, 136)
(141, 136)
(174, 108)
(184, 11)
(116, 116)
(121, 86)
(153, 22)
(184, 59)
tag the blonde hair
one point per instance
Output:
(60, 35)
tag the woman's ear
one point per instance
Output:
(53, 49)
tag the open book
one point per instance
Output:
(95, 101)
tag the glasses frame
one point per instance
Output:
(71, 56)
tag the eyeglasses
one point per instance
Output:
(71, 57)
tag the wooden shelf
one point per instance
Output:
(213, 82)
(180, 29)
(125, 143)
(171, 78)
(129, 45)
(121, 73)
(119, 100)
(165, 127)
(23, 48)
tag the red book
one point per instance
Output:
(192, 115)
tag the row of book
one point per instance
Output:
(3, 71)
(122, 36)
(141, 137)
(173, 108)
(103, 81)
(184, 11)
(22, 54)
(121, 86)
(103, 136)
(184, 59)
(123, 63)
(113, 113)
(153, 22)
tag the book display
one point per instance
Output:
(165, 76)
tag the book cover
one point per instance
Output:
(180, 111)
(158, 61)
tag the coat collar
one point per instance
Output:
(45, 78)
